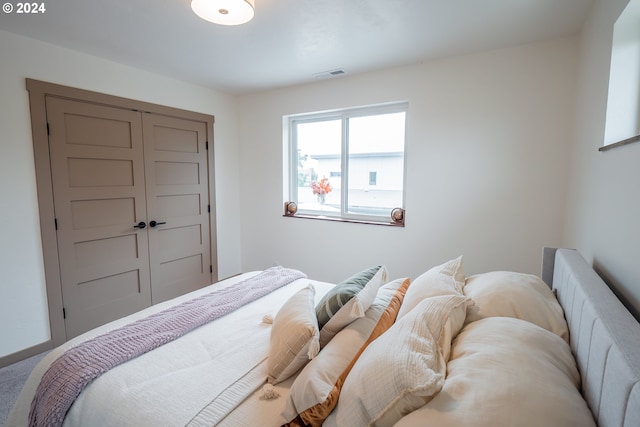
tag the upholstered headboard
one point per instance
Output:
(604, 338)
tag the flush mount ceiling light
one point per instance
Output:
(224, 12)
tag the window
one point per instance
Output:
(372, 178)
(623, 103)
(347, 164)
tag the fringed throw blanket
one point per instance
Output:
(77, 367)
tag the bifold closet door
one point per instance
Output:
(176, 173)
(131, 200)
(97, 167)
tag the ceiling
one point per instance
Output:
(292, 41)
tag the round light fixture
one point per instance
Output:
(224, 12)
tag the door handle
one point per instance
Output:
(154, 223)
(140, 225)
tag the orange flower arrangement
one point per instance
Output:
(321, 187)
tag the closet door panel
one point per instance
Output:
(97, 169)
(177, 199)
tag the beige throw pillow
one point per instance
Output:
(518, 295)
(294, 336)
(404, 368)
(444, 279)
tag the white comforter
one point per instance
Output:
(195, 380)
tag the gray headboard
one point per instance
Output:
(604, 338)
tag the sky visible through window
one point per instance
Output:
(369, 134)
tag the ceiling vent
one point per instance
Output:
(330, 73)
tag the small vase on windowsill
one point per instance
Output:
(321, 198)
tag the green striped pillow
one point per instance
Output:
(348, 301)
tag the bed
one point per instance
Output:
(497, 348)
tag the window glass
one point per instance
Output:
(376, 143)
(319, 157)
(373, 178)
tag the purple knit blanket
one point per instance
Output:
(70, 373)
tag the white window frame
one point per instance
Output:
(291, 162)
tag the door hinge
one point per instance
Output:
(209, 208)
(48, 131)
(55, 222)
(211, 269)
(206, 145)
(64, 313)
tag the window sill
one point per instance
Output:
(620, 143)
(354, 221)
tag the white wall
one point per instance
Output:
(603, 220)
(487, 146)
(23, 307)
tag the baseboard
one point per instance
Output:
(25, 354)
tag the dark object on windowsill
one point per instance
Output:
(397, 216)
(290, 208)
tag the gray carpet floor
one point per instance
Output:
(12, 378)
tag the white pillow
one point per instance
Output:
(518, 295)
(506, 372)
(294, 336)
(444, 279)
(315, 391)
(402, 369)
(348, 300)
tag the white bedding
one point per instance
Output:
(214, 374)
(257, 411)
(195, 380)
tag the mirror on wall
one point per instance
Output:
(623, 104)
